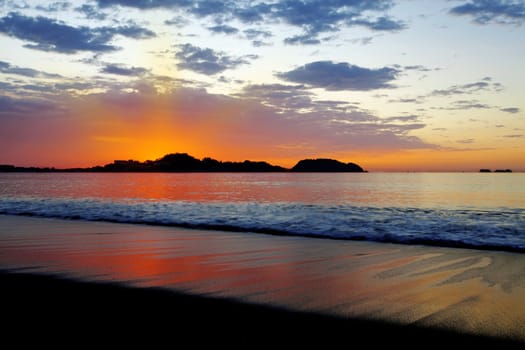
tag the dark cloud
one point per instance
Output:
(131, 31)
(8, 68)
(313, 17)
(210, 7)
(304, 39)
(512, 110)
(492, 11)
(91, 12)
(121, 70)
(253, 13)
(207, 61)
(223, 29)
(514, 136)
(319, 16)
(341, 76)
(52, 35)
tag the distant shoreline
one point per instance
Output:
(184, 163)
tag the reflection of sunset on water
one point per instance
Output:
(431, 286)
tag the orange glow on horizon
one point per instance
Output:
(100, 129)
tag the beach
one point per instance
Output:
(256, 285)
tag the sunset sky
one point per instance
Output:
(404, 85)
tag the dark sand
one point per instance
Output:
(100, 281)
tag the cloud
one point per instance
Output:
(485, 84)
(8, 68)
(363, 41)
(55, 6)
(12, 107)
(407, 100)
(131, 31)
(320, 15)
(121, 70)
(253, 13)
(206, 8)
(465, 141)
(379, 24)
(305, 39)
(207, 61)
(405, 118)
(279, 96)
(255, 35)
(91, 12)
(260, 43)
(512, 110)
(341, 76)
(51, 35)
(492, 11)
(223, 29)
(335, 123)
(177, 21)
(465, 104)
(313, 17)
(419, 68)
(145, 4)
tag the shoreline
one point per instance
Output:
(77, 268)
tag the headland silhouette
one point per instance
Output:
(183, 162)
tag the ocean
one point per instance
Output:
(469, 210)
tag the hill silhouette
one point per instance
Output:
(183, 162)
(326, 165)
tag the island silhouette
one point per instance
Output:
(183, 162)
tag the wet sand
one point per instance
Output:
(237, 286)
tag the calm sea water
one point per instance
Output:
(450, 209)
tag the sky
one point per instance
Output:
(393, 85)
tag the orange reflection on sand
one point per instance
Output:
(468, 290)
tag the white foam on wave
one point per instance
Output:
(503, 228)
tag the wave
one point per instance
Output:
(501, 229)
